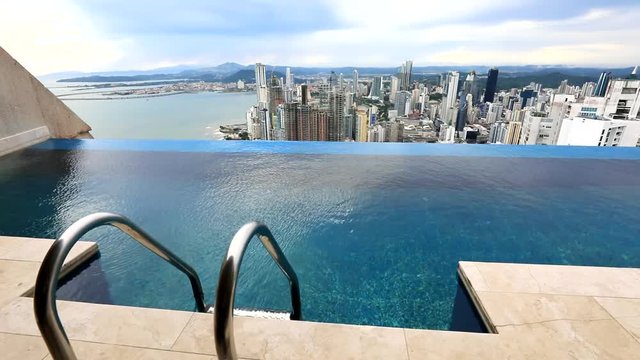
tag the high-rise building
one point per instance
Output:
(362, 124)
(403, 103)
(623, 99)
(336, 116)
(587, 89)
(492, 84)
(288, 79)
(603, 84)
(564, 87)
(599, 132)
(261, 85)
(452, 93)
(394, 87)
(376, 88)
(471, 87)
(512, 136)
(528, 97)
(405, 75)
(497, 133)
(494, 114)
(356, 86)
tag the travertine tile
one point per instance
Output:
(471, 272)
(586, 280)
(279, 339)
(21, 347)
(32, 249)
(524, 308)
(197, 336)
(429, 344)
(95, 351)
(619, 307)
(507, 278)
(109, 324)
(625, 311)
(561, 339)
(16, 277)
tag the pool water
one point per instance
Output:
(374, 231)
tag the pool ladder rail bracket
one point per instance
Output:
(44, 299)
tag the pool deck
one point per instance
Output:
(534, 312)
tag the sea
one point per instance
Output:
(179, 116)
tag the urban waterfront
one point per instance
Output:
(179, 116)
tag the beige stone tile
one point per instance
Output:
(429, 344)
(507, 277)
(592, 339)
(587, 281)
(21, 347)
(16, 277)
(109, 324)
(96, 351)
(619, 307)
(625, 311)
(197, 336)
(524, 308)
(32, 249)
(473, 275)
(279, 339)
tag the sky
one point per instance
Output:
(48, 36)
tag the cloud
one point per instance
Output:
(53, 36)
(92, 35)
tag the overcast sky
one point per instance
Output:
(97, 35)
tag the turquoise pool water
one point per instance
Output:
(374, 231)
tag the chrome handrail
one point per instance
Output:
(225, 294)
(44, 299)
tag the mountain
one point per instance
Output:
(229, 71)
(249, 76)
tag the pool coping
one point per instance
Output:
(535, 311)
(346, 148)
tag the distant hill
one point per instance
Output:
(249, 76)
(510, 76)
(548, 80)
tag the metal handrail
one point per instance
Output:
(44, 299)
(225, 295)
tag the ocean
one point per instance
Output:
(180, 116)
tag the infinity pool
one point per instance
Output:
(374, 231)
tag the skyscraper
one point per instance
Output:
(376, 87)
(356, 87)
(394, 88)
(492, 84)
(603, 84)
(336, 116)
(452, 93)
(405, 75)
(261, 85)
(403, 103)
(288, 79)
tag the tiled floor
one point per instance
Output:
(535, 312)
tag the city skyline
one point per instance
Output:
(92, 36)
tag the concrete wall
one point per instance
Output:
(26, 106)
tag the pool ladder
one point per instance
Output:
(44, 299)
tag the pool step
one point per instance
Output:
(261, 314)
